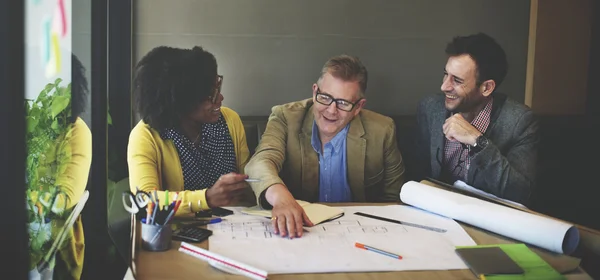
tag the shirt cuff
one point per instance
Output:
(199, 202)
(264, 203)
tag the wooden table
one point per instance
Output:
(173, 264)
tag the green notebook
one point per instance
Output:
(534, 266)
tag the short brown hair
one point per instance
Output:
(347, 68)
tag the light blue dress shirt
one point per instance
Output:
(333, 173)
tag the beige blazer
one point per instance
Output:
(285, 155)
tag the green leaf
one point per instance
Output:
(31, 124)
(61, 91)
(45, 91)
(58, 105)
(55, 125)
(108, 118)
(35, 112)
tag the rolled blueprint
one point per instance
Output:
(547, 233)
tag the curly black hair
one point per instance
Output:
(79, 88)
(488, 55)
(170, 83)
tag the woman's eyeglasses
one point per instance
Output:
(217, 90)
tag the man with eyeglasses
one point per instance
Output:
(473, 133)
(326, 149)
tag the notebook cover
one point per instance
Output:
(489, 260)
(317, 213)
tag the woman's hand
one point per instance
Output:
(226, 190)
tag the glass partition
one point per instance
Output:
(58, 139)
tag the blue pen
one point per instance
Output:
(205, 222)
(215, 220)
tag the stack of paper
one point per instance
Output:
(330, 246)
(465, 187)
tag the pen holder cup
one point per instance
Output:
(156, 237)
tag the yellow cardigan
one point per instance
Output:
(73, 181)
(154, 162)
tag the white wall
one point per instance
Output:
(39, 71)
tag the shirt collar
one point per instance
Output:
(336, 142)
(482, 120)
(169, 133)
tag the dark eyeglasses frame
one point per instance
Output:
(335, 100)
(217, 90)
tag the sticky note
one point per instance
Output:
(54, 65)
(59, 23)
(62, 17)
(45, 40)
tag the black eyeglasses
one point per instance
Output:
(217, 90)
(341, 104)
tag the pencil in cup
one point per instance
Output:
(173, 212)
(149, 209)
(165, 224)
(373, 249)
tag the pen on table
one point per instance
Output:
(206, 222)
(252, 180)
(441, 230)
(369, 248)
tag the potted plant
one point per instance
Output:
(47, 129)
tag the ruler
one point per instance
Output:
(226, 264)
(441, 230)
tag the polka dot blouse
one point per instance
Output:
(203, 164)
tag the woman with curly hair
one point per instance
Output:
(76, 145)
(186, 142)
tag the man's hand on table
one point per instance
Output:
(287, 215)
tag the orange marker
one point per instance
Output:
(369, 248)
(149, 212)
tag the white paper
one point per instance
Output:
(553, 235)
(329, 247)
(465, 187)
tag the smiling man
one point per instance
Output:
(326, 149)
(471, 132)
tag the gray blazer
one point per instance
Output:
(505, 168)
